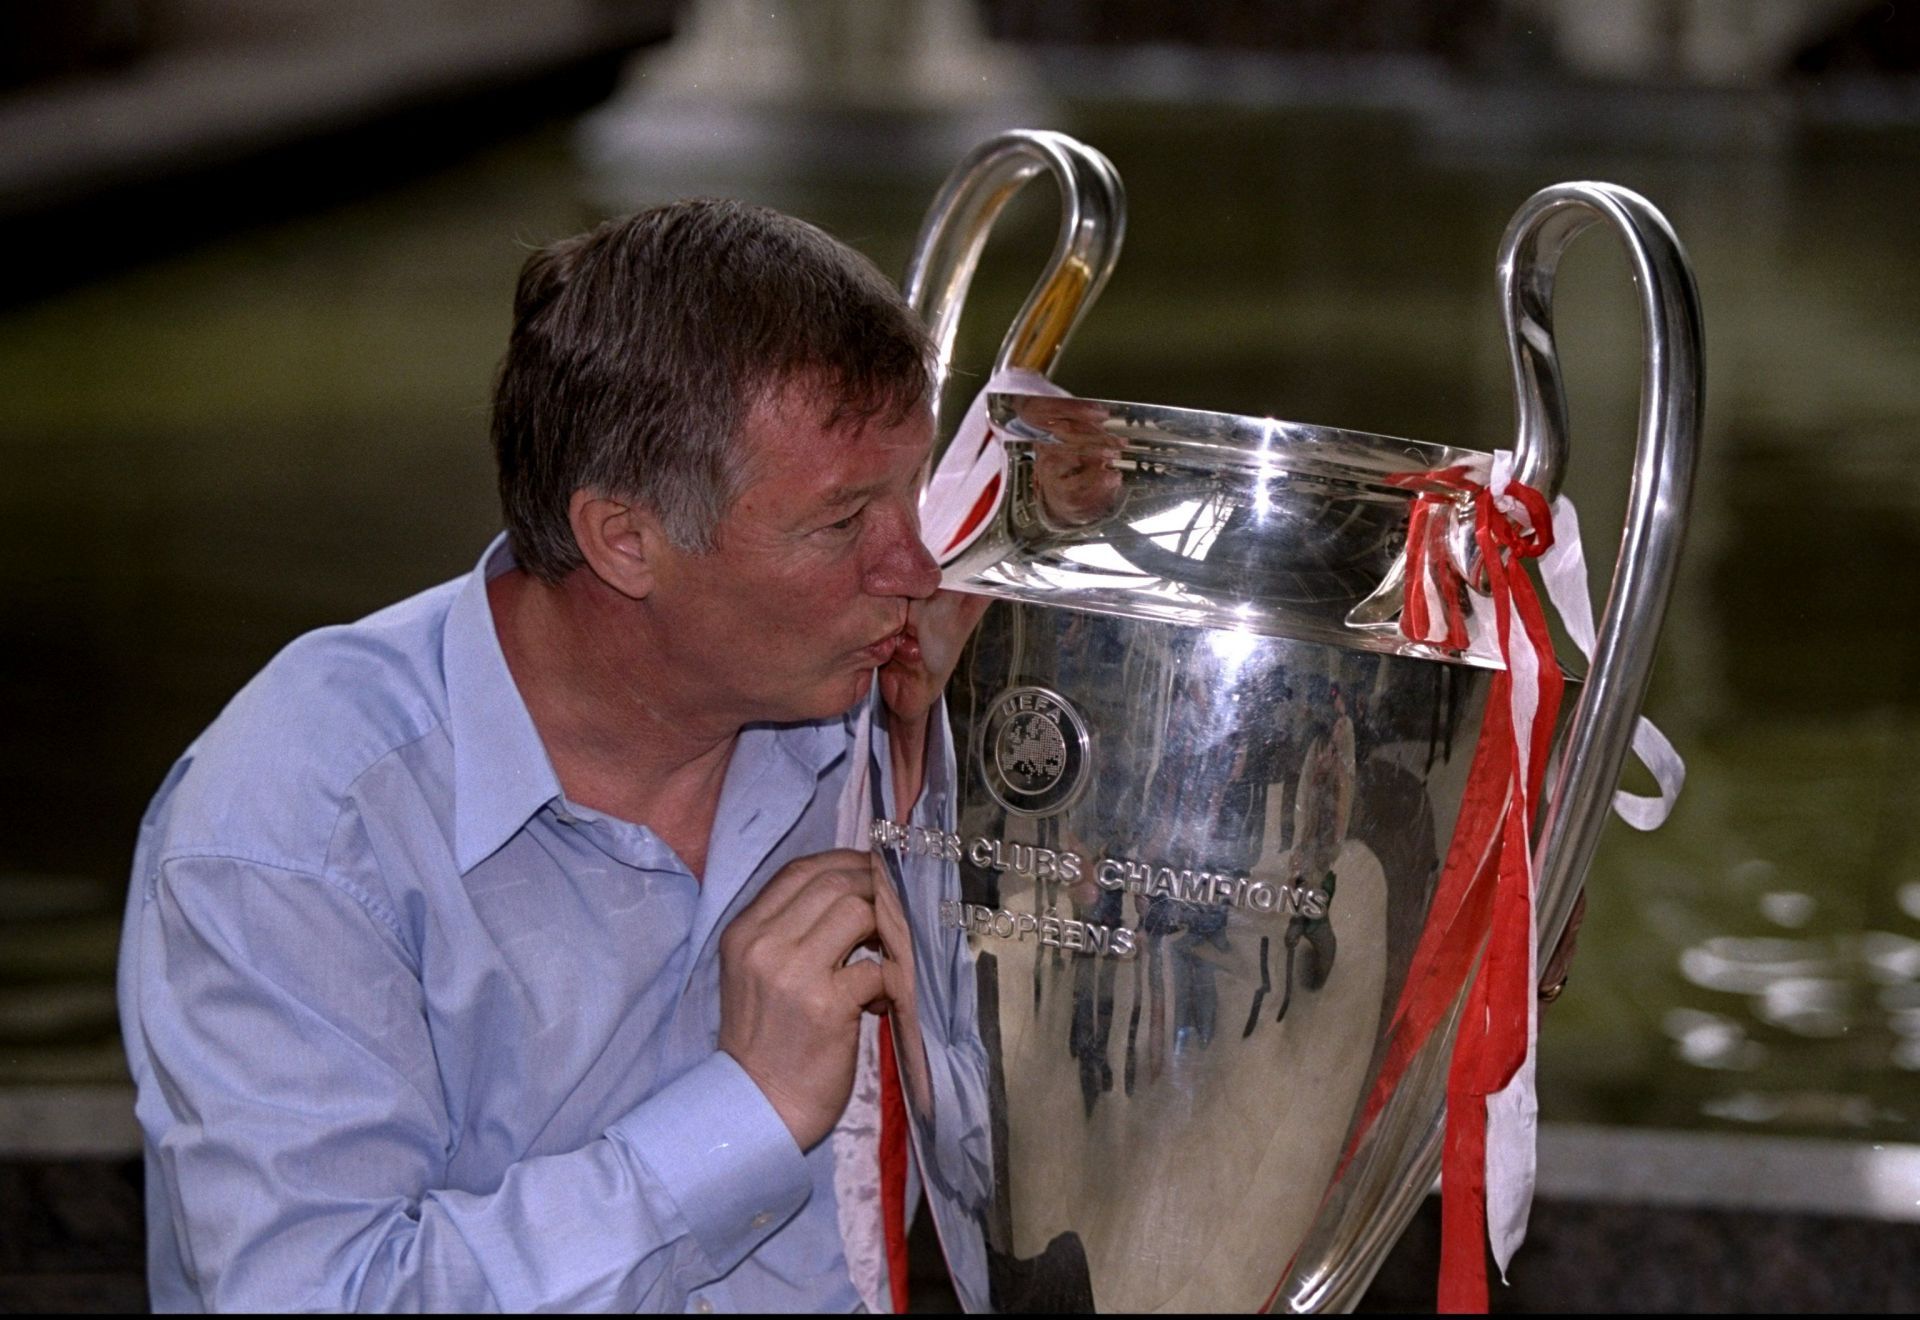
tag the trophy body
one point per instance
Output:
(1185, 975)
(1204, 787)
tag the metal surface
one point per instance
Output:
(1203, 799)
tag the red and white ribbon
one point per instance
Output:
(1443, 609)
(871, 1173)
(871, 1167)
(1483, 908)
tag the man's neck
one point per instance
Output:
(642, 752)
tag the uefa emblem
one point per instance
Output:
(1033, 751)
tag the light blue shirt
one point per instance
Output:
(411, 1030)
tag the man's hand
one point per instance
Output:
(1553, 979)
(911, 682)
(790, 1002)
(937, 629)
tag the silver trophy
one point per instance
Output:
(1205, 788)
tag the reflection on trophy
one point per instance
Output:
(1201, 877)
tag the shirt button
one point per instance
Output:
(703, 1307)
(761, 1220)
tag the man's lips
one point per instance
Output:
(901, 645)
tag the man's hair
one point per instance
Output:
(639, 348)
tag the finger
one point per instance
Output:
(949, 619)
(885, 900)
(796, 873)
(1558, 963)
(891, 919)
(863, 983)
(823, 891)
(797, 879)
(842, 926)
(947, 604)
(968, 609)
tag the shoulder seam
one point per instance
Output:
(371, 904)
(224, 851)
(434, 724)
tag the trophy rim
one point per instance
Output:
(1256, 444)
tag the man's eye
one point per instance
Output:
(845, 524)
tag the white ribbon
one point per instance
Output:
(1564, 570)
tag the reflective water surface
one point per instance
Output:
(209, 454)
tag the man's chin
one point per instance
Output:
(835, 701)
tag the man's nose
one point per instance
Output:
(902, 566)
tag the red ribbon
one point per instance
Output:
(1485, 893)
(893, 1167)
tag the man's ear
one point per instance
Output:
(621, 542)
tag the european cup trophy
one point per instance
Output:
(1264, 811)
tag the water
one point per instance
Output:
(209, 454)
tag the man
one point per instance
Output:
(493, 952)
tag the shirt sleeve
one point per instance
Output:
(296, 1122)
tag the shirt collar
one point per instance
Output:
(501, 774)
(816, 746)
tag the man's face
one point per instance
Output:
(806, 590)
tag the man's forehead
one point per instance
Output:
(828, 403)
(803, 432)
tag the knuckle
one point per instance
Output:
(757, 960)
(815, 1001)
(741, 943)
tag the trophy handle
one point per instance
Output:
(1093, 218)
(1601, 726)
(1671, 405)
